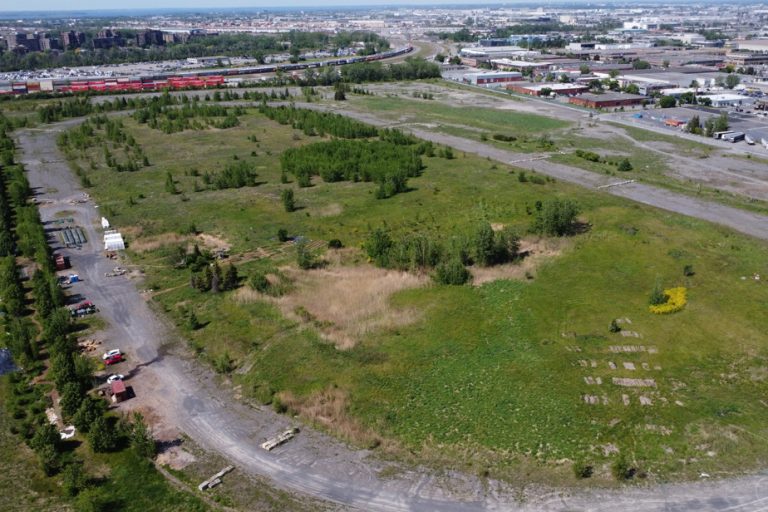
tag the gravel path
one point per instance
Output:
(185, 396)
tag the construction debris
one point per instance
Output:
(271, 444)
(215, 479)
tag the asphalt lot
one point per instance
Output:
(182, 396)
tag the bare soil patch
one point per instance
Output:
(151, 243)
(534, 252)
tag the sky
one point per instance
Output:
(59, 5)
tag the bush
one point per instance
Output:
(335, 243)
(74, 479)
(657, 295)
(622, 470)
(583, 470)
(286, 196)
(624, 165)
(452, 272)
(259, 282)
(615, 327)
(688, 271)
(587, 155)
(674, 300)
(304, 258)
(556, 218)
(282, 235)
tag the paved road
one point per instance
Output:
(186, 395)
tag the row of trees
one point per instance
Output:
(383, 162)
(173, 119)
(319, 123)
(709, 127)
(68, 370)
(413, 68)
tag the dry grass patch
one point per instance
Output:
(535, 251)
(212, 242)
(329, 409)
(343, 302)
(348, 302)
(151, 243)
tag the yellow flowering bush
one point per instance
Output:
(676, 300)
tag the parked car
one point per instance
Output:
(115, 376)
(113, 360)
(112, 353)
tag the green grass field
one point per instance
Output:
(491, 378)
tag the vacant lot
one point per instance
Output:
(515, 373)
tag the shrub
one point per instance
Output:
(556, 218)
(259, 282)
(622, 470)
(282, 235)
(615, 327)
(304, 258)
(587, 155)
(286, 196)
(582, 469)
(452, 272)
(335, 243)
(657, 295)
(688, 271)
(624, 165)
(675, 301)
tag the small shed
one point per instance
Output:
(104, 223)
(119, 391)
(113, 241)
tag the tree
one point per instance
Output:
(378, 245)
(556, 218)
(641, 64)
(304, 257)
(141, 437)
(282, 235)
(483, 245)
(732, 81)
(286, 196)
(89, 411)
(615, 327)
(624, 165)
(667, 102)
(74, 479)
(657, 296)
(694, 125)
(170, 184)
(632, 89)
(102, 435)
(545, 91)
(688, 271)
(709, 127)
(71, 399)
(231, 279)
(584, 69)
(721, 123)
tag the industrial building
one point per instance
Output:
(490, 78)
(607, 100)
(730, 100)
(534, 89)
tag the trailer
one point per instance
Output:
(60, 261)
(721, 135)
(734, 137)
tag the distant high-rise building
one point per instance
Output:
(150, 38)
(71, 40)
(28, 41)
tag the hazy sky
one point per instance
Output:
(59, 5)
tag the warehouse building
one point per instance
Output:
(607, 100)
(491, 78)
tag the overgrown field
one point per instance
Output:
(513, 378)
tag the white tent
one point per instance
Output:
(104, 223)
(113, 241)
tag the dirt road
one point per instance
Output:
(185, 396)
